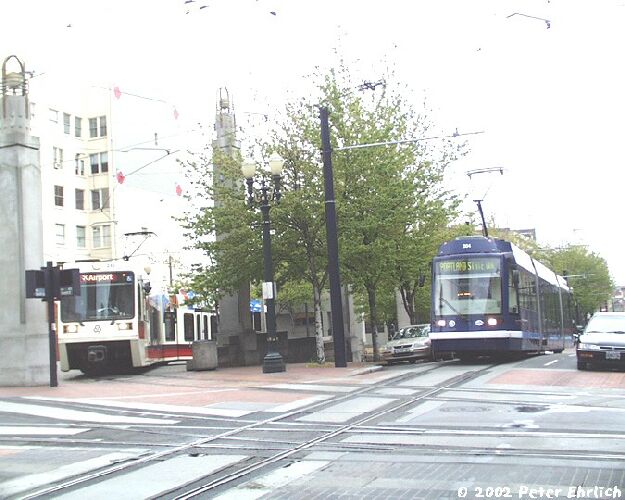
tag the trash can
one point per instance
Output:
(204, 355)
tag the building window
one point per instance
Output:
(79, 165)
(101, 236)
(81, 237)
(58, 157)
(99, 199)
(80, 199)
(60, 234)
(97, 127)
(66, 123)
(93, 127)
(58, 196)
(77, 126)
(99, 162)
(54, 115)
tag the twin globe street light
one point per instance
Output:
(263, 197)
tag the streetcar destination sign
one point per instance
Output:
(468, 266)
(106, 277)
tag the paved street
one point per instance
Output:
(430, 430)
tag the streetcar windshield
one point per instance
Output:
(467, 286)
(103, 296)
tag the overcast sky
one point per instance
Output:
(549, 96)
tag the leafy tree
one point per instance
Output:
(588, 275)
(386, 202)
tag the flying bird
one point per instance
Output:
(273, 13)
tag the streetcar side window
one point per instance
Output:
(170, 326)
(513, 296)
(189, 325)
(205, 329)
(198, 327)
(213, 326)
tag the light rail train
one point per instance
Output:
(489, 297)
(121, 321)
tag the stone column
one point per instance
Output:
(23, 323)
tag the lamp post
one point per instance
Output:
(264, 196)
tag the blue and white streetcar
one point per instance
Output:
(489, 297)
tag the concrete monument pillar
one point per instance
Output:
(23, 325)
(235, 318)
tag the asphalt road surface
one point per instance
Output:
(535, 428)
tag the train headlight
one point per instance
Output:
(441, 322)
(70, 328)
(491, 321)
(124, 326)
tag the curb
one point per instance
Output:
(368, 369)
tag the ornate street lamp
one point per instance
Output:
(263, 197)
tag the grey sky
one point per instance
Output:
(550, 99)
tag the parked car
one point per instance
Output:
(602, 343)
(408, 344)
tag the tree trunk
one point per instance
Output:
(321, 354)
(407, 296)
(373, 317)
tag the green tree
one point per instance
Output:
(382, 193)
(588, 275)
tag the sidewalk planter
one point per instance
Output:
(204, 355)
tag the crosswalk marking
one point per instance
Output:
(165, 408)
(314, 387)
(29, 482)
(77, 415)
(155, 479)
(342, 412)
(294, 405)
(260, 486)
(28, 430)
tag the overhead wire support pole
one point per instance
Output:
(336, 302)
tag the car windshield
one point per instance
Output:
(412, 332)
(606, 324)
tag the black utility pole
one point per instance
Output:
(49, 284)
(338, 333)
(51, 277)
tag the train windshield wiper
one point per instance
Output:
(440, 306)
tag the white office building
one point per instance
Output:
(110, 176)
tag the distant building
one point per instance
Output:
(110, 179)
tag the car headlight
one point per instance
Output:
(588, 347)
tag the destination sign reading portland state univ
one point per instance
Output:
(469, 266)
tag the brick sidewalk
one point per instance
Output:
(173, 384)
